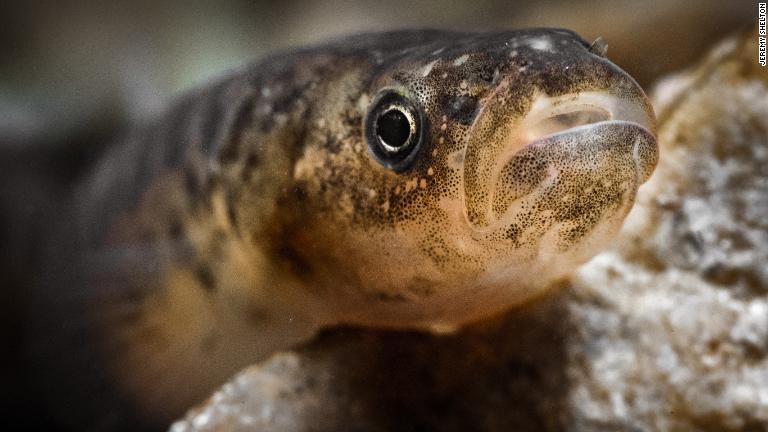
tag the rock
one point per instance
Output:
(504, 375)
(673, 323)
(668, 330)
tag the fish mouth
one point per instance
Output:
(586, 138)
(552, 115)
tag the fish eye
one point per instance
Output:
(394, 130)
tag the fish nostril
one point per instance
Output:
(599, 47)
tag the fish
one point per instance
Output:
(416, 180)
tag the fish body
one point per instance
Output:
(413, 180)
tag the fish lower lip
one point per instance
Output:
(586, 151)
(586, 128)
(569, 124)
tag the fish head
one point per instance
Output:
(484, 168)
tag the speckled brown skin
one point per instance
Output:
(253, 214)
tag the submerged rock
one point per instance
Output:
(666, 331)
(673, 323)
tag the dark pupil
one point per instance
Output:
(393, 128)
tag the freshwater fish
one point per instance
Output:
(405, 180)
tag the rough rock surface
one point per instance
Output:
(673, 323)
(666, 331)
